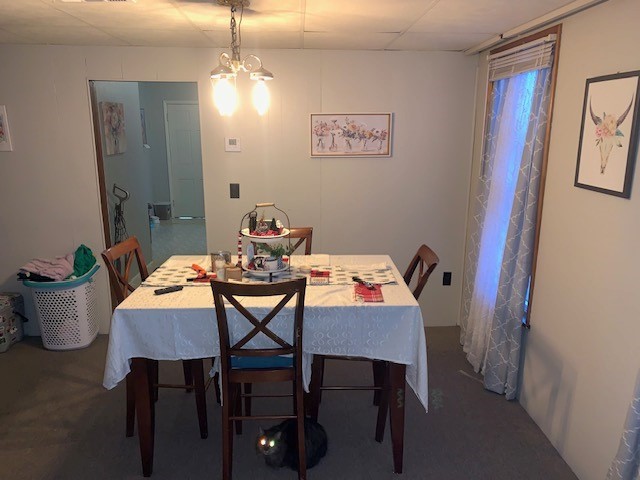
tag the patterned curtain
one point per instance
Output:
(499, 255)
(626, 465)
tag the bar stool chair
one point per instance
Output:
(124, 253)
(242, 364)
(427, 260)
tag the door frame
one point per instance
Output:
(165, 104)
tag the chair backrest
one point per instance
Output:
(428, 260)
(287, 290)
(121, 282)
(302, 234)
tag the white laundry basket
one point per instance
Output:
(66, 311)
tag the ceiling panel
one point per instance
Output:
(426, 41)
(283, 15)
(486, 16)
(34, 12)
(347, 41)
(127, 15)
(315, 24)
(363, 15)
(53, 35)
(160, 38)
(258, 40)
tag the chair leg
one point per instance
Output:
(197, 369)
(188, 375)
(302, 453)
(378, 378)
(317, 371)
(237, 406)
(131, 406)
(383, 407)
(216, 386)
(247, 399)
(227, 434)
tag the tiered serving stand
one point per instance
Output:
(245, 233)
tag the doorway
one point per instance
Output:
(140, 166)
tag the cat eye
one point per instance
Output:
(272, 443)
(263, 441)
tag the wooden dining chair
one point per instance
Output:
(249, 360)
(302, 234)
(425, 261)
(124, 253)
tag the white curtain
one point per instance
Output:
(626, 464)
(499, 256)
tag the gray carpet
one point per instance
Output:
(57, 422)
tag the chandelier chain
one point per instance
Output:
(235, 35)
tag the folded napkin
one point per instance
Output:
(364, 294)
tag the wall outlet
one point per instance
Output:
(446, 278)
(234, 190)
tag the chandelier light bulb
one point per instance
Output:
(224, 93)
(261, 98)
(225, 97)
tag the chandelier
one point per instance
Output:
(224, 75)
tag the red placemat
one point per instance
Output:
(365, 294)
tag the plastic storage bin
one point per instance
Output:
(66, 311)
(162, 210)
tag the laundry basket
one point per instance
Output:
(66, 311)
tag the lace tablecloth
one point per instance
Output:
(182, 325)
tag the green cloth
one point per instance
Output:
(83, 260)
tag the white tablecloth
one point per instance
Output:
(182, 325)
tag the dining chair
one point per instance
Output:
(425, 261)
(302, 234)
(119, 260)
(259, 356)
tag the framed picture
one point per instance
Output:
(609, 134)
(5, 136)
(115, 138)
(350, 134)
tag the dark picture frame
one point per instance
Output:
(609, 134)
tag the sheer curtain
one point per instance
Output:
(626, 464)
(499, 256)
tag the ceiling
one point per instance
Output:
(449, 25)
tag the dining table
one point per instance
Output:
(182, 325)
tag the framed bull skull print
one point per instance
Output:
(609, 134)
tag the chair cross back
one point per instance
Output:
(259, 326)
(120, 282)
(228, 291)
(427, 260)
(302, 234)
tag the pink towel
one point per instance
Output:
(57, 269)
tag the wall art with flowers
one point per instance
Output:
(609, 134)
(5, 136)
(113, 124)
(350, 134)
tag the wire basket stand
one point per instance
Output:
(246, 232)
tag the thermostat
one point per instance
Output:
(231, 144)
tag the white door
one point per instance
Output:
(182, 124)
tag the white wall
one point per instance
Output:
(376, 205)
(581, 354)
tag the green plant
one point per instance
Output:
(276, 250)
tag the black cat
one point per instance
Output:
(279, 444)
